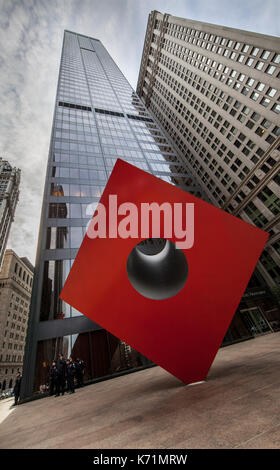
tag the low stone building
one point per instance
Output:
(16, 278)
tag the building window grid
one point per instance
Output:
(208, 117)
(257, 54)
(246, 169)
(201, 171)
(218, 101)
(76, 128)
(211, 39)
(240, 117)
(196, 63)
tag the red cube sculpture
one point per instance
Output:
(181, 333)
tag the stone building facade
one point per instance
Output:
(9, 194)
(216, 93)
(16, 278)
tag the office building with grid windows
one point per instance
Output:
(16, 277)
(98, 117)
(9, 195)
(216, 92)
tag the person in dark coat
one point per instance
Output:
(70, 368)
(53, 379)
(80, 370)
(61, 369)
(17, 388)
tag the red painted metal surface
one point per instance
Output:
(183, 333)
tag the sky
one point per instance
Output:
(31, 33)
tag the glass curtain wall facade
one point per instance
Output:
(216, 93)
(98, 117)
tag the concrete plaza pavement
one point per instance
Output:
(237, 407)
(6, 408)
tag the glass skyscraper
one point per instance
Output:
(98, 118)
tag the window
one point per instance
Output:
(260, 131)
(259, 65)
(271, 92)
(254, 96)
(270, 69)
(245, 90)
(276, 59)
(237, 104)
(256, 116)
(254, 160)
(265, 123)
(245, 151)
(250, 81)
(260, 86)
(249, 124)
(260, 152)
(276, 130)
(276, 108)
(255, 51)
(265, 55)
(265, 102)
(270, 139)
(246, 110)
(245, 48)
(249, 62)
(76, 237)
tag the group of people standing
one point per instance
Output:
(62, 372)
